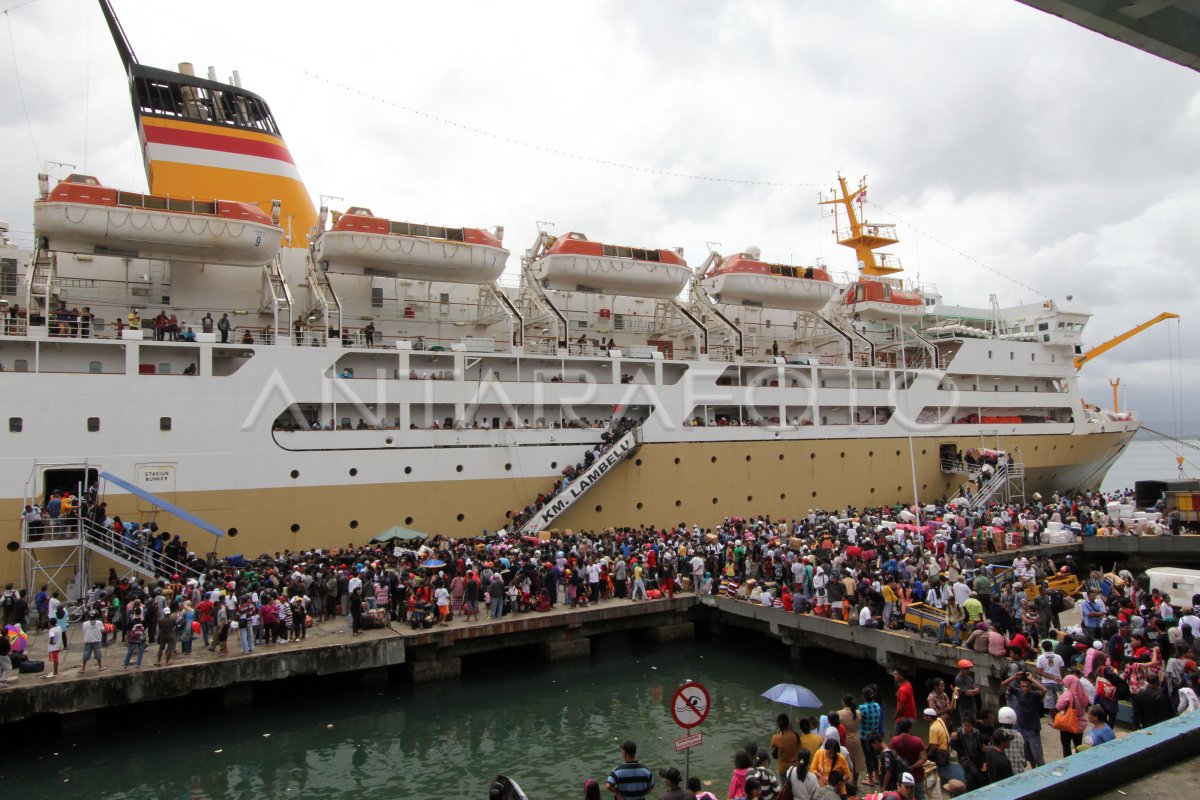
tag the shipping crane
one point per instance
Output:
(1116, 340)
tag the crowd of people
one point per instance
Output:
(861, 566)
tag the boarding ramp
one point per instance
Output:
(626, 446)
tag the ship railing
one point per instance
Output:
(541, 346)
(882, 230)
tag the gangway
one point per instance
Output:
(557, 505)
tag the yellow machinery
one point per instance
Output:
(863, 237)
(1116, 340)
(924, 619)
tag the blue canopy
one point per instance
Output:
(170, 508)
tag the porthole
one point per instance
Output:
(164, 423)
(843, 454)
(810, 455)
(408, 520)
(781, 456)
(295, 474)
(1035, 448)
(872, 490)
(639, 506)
(678, 503)
(408, 470)
(713, 460)
(13, 547)
(749, 498)
(924, 486)
(899, 489)
(553, 465)
(388, 440)
(870, 454)
(295, 527)
(897, 452)
(353, 524)
(458, 468)
(93, 424)
(353, 471)
(460, 517)
(747, 458)
(923, 452)
(783, 497)
(637, 463)
(232, 532)
(508, 467)
(715, 501)
(676, 459)
(15, 424)
(814, 494)
(599, 509)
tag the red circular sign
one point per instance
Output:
(690, 705)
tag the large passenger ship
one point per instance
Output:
(377, 372)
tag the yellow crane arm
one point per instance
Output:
(1116, 340)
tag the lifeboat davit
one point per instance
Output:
(81, 216)
(743, 279)
(877, 301)
(359, 240)
(571, 263)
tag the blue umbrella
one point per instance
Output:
(433, 563)
(792, 694)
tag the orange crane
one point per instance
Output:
(1116, 340)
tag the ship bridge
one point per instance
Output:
(1168, 29)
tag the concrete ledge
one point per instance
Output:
(236, 674)
(564, 649)
(1108, 766)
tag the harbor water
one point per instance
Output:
(548, 726)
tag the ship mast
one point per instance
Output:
(864, 238)
(128, 57)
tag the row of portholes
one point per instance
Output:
(554, 464)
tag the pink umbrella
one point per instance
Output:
(17, 638)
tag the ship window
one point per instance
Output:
(164, 369)
(93, 424)
(8, 276)
(20, 365)
(15, 424)
(95, 367)
(164, 423)
(1043, 326)
(376, 297)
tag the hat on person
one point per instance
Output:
(1007, 716)
(1097, 645)
(966, 663)
(671, 774)
(929, 712)
(907, 779)
(954, 787)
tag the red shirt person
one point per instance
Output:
(906, 702)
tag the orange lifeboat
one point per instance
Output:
(359, 240)
(81, 216)
(572, 263)
(743, 279)
(879, 301)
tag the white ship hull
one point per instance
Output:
(770, 291)
(619, 276)
(411, 257)
(150, 234)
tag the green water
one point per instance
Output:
(548, 726)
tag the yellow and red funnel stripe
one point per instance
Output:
(197, 159)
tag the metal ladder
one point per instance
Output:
(322, 299)
(276, 294)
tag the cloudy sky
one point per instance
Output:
(1027, 156)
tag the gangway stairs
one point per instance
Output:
(323, 301)
(556, 506)
(1007, 481)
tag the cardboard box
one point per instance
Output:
(795, 544)
(544, 535)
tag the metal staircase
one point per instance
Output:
(1007, 481)
(323, 302)
(142, 561)
(39, 284)
(277, 295)
(555, 506)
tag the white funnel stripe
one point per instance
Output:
(201, 157)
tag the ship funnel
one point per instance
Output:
(754, 252)
(237, 79)
(187, 68)
(212, 74)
